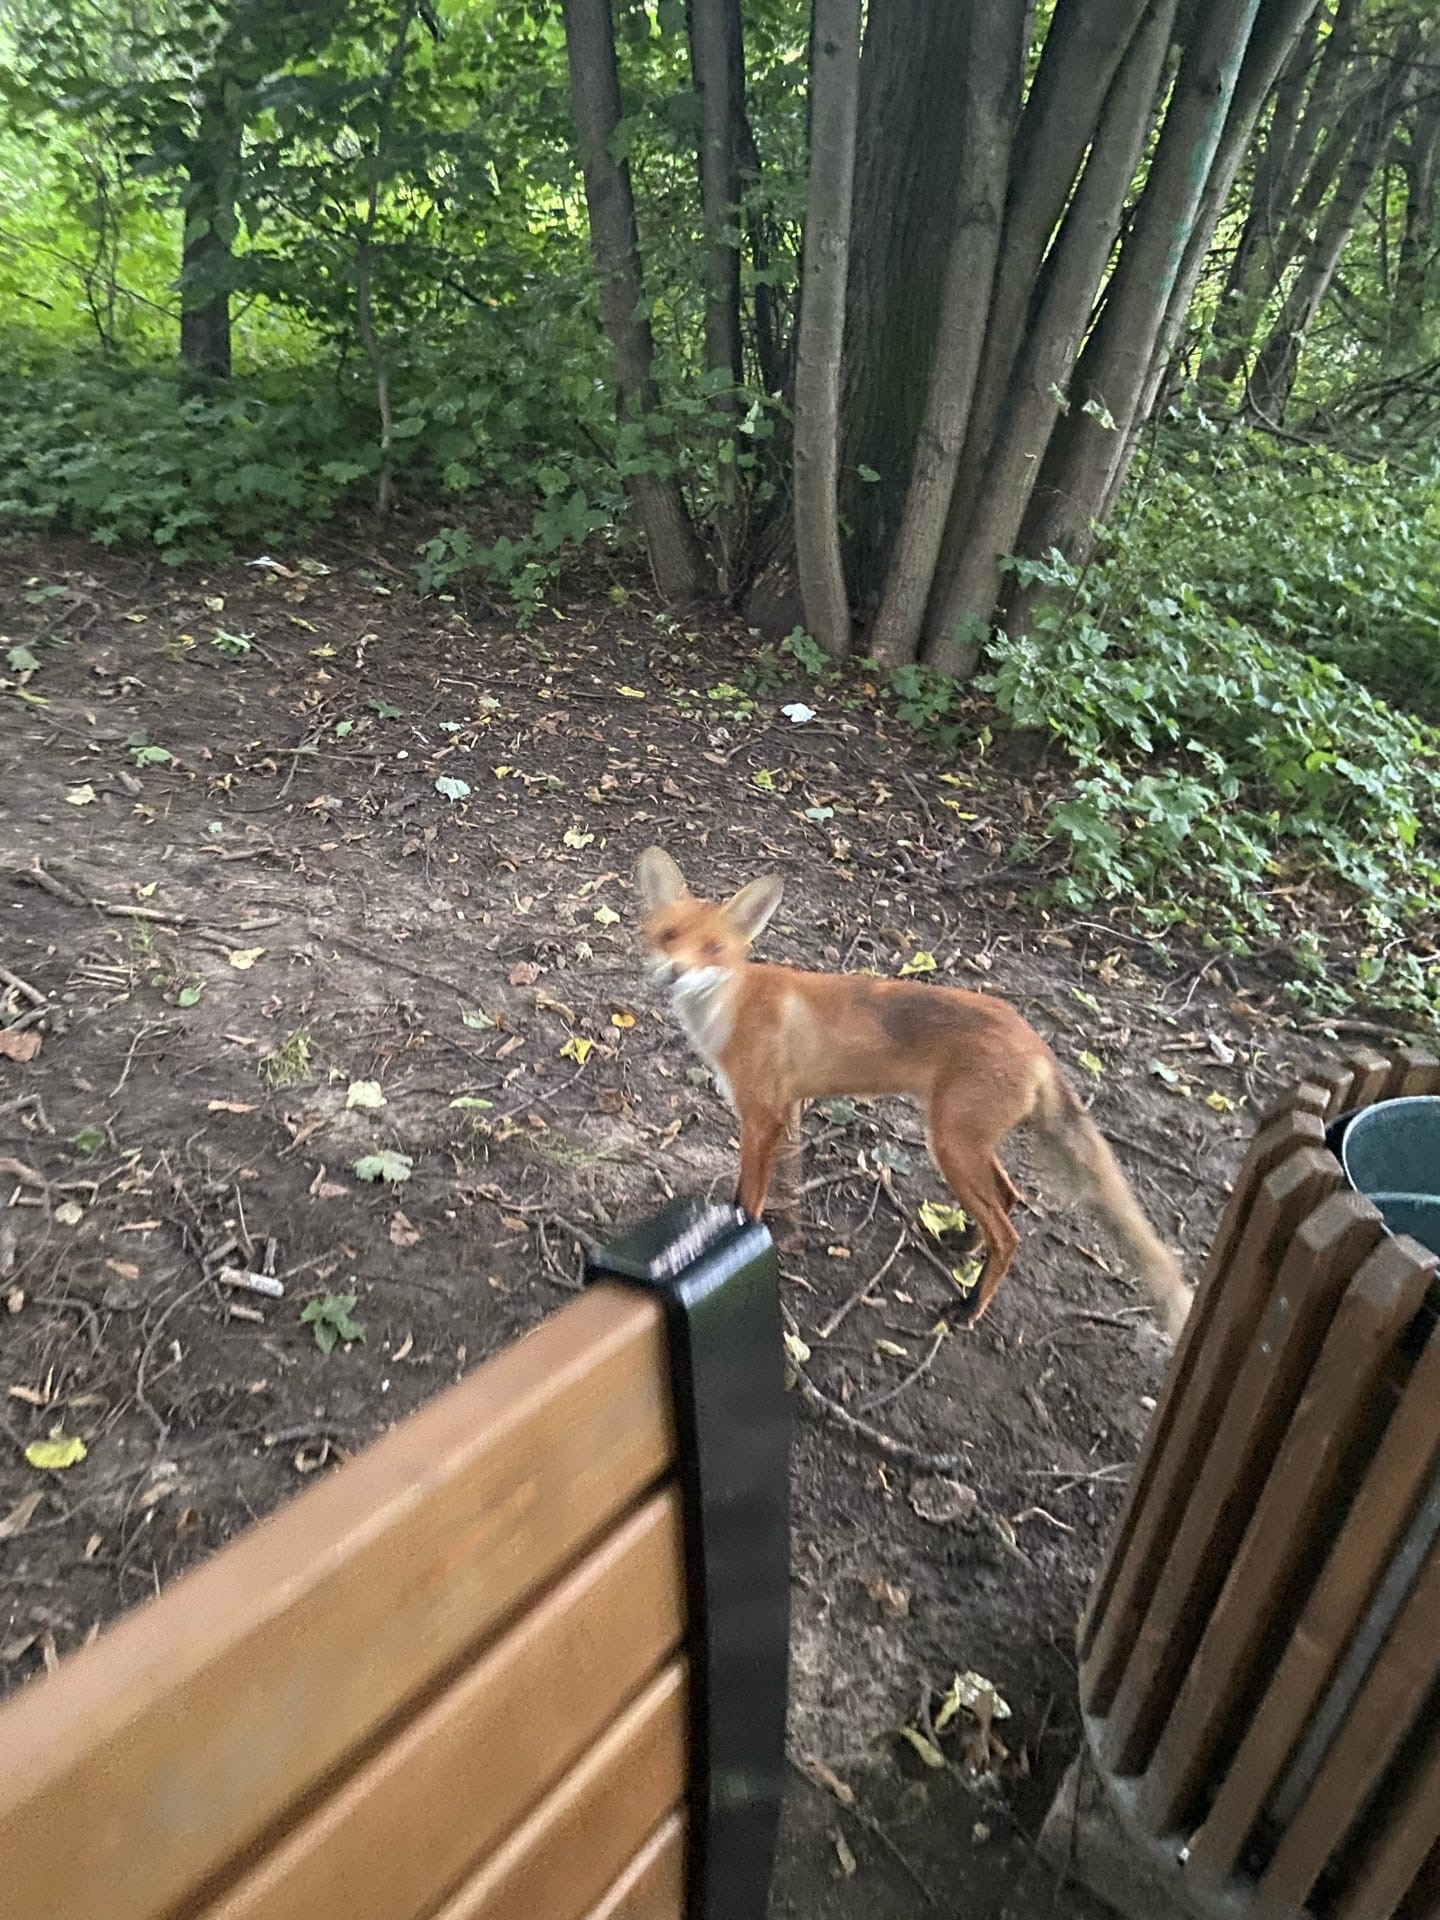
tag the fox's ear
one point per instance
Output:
(657, 879)
(749, 910)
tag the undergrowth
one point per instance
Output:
(1223, 774)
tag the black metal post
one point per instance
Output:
(715, 1269)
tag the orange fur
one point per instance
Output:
(776, 1037)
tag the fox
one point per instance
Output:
(776, 1037)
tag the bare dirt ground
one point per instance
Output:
(232, 865)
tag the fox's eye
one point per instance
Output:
(667, 938)
(713, 949)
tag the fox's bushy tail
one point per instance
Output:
(1088, 1165)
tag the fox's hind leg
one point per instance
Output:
(962, 1137)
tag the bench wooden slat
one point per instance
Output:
(567, 1855)
(161, 1752)
(652, 1887)
(412, 1820)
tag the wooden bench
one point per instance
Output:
(523, 1657)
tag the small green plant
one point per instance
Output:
(331, 1319)
(145, 755)
(808, 652)
(290, 1063)
(924, 697)
(232, 646)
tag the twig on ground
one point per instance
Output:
(35, 876)
(917, 1372)
(332, 937)
(156, 1026)
(23, 987)
(162, 1427)
(842, 1313)
(886, 1443)
(869, 1824)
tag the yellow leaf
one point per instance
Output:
(631, 693)
(927, 1749)
(146, 891)
(1091, 1064)
(80, 796)
(622, 1019)
(575, 838)
(919, 963)
(1221, 1102)
(326, 652)
(893, 1348)
(577, 1048)
(60, 1450)
(500, 772)
(245, 957)
(942, 1219)
(606, 916)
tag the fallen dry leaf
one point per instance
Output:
(230, 1106)
(524, 973)
(889, 1598)
(942, 1501)
(20, 1515)
(403, 1232)
(126, 1269)
(245, 957)
(19, 1047)
(827, 1778)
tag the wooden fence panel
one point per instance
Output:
(1378, 1720)
(1318, 1263)
(1286, 1197)
(1295, 1127)
(1403, 1465)
(1337, 1406)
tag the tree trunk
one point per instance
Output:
(1072, 273)
(1268, 389)
(990, 96)
(717, 60)
(1420, 163)
(1094, 437)
(206, 262)
(907, 172)
(1273, 186)
(834, 102)
(1331, 122)
(679, 566)
(1278, 27)
(1082, 51)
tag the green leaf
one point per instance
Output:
(21, 660)
(150, 756)
(191, 995)
(477, 1018)
(89, 1139)
(331, 1318)
(384, 710)
(451, 789)
(472, 1100)
(1091, 1063)
(365, 1093)
(920, 962)
(387, 1165)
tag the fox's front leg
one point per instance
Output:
(761, 1129)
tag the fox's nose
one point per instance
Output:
(667, 975)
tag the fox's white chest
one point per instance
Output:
(702, 1005)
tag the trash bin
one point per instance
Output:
(1259, 1659)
